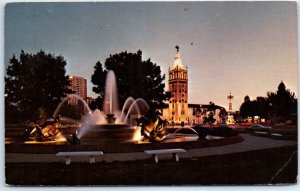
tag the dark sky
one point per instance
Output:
(245, 47)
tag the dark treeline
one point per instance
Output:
(279, 106)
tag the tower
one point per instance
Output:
(230, 98)
(178, 86)
(230, 117)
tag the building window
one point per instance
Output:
(182, 110)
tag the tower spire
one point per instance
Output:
(178, 60)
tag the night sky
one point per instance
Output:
(243, 47)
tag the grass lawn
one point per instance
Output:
(255, 167)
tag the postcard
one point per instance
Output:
(150, 93)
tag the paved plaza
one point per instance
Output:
(250, 143)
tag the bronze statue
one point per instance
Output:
(46, 131)
(153, 126)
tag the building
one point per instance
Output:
(199, 113)
(178, 110)
(78, 86)
(178, 86)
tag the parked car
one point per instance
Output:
(258, 127)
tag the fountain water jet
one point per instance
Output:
(110, 102)
(135, 104)
(109, 124)
(66, 99)
(127, 104)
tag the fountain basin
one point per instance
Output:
(108, 133)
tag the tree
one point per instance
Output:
(280, 105)
(211, 118)
(246, 109)
(34, 84)
(262, 107)
(283, 103)
(73, 111)
(211, 108)
(222, 114)
(134, 77)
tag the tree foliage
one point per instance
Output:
(281, 104)
(259, 107)
(34, 83)
(210, 118)
(211, 108)
(135, 77)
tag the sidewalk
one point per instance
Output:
(250, 143)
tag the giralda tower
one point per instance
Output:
(178, 86)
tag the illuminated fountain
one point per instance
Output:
(135, 122)
(110, 124)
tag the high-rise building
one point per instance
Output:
(78, 85)
(178, 86)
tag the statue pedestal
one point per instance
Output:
(110, 118)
